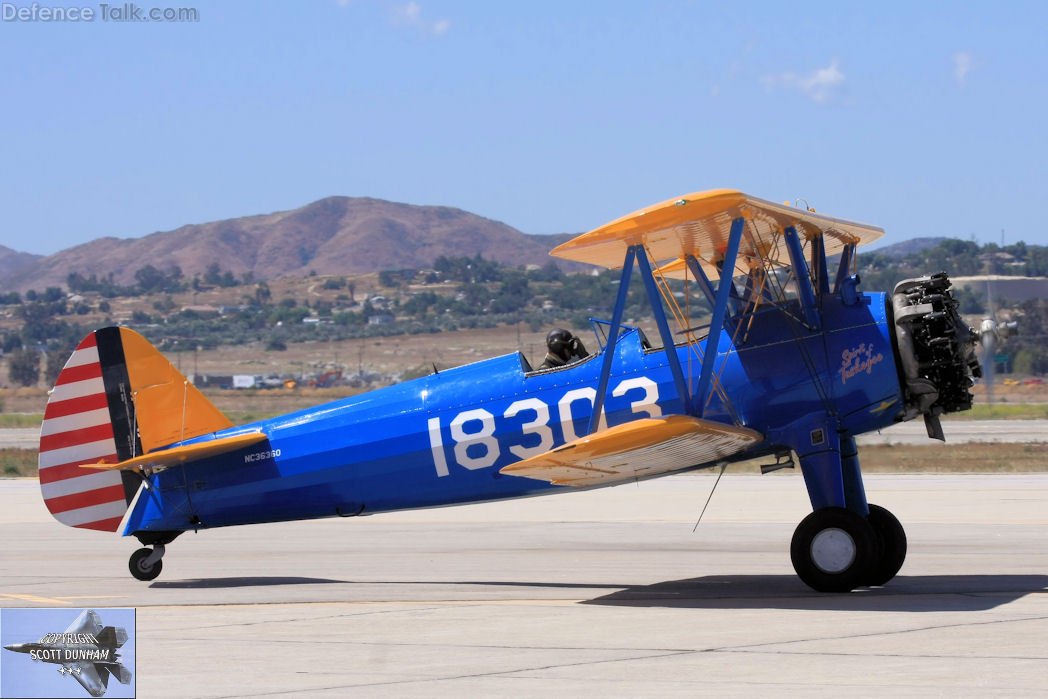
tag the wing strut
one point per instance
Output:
(701, 279)
(818, 265)
(845, 267)
(693, 404)
(609, 349)
(670, 347)
(720, 306)
(804, 284)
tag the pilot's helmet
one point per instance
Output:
(558, 342)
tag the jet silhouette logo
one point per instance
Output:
(89, 650)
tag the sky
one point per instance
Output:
(926, 119)
(21, 676)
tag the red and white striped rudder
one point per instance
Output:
(79, 428)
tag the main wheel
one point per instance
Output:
(142, 571)
(833, 550)
(891, 539)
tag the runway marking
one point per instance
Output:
(61, 600)
(91, 597)
(33, 598)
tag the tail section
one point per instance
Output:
(116, 398)
(112, 636)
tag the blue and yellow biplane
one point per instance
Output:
(794, 362)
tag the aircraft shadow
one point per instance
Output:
(206, 583)
(919, 593)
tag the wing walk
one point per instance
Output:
(636, 449)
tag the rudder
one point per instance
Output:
(116, 398)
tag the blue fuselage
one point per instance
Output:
(442, 439)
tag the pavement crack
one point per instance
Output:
(872, 634)
(463, 676)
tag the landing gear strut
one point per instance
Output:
(145, 563)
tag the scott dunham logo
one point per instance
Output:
(88, 651)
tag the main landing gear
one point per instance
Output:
(845, 542)
(836, 550)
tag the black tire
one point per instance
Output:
(891, 545)
(833, 550)
(139, 570)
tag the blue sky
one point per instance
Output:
(20, 676)
(924, 118)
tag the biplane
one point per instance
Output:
(770, 351)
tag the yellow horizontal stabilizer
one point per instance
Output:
(154, 461)
(637, 449)
(698, 224)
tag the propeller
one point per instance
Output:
(990, 331)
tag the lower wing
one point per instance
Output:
(637, 449)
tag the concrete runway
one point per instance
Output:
(597, 593)
(961, 432)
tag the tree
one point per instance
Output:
(262, 294)
(213, 274)
(149, 279)
(55, 360)
(24, 367)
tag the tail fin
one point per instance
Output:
(116, 398)
(117, 670)
(112, 636)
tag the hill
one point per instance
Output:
(11, 261)
(336, 235)
(908, 247)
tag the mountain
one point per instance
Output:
(336, 235)
(11, 261)
(909, 247)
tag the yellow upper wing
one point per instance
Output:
(645, 447)
(698, 224)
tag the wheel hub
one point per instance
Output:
(833, 550)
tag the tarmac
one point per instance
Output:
(598, 593)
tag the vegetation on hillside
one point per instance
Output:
(41, 328)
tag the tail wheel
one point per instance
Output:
(891, 538)
(140, 569)
(833, 550)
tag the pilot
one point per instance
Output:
(562, 348)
